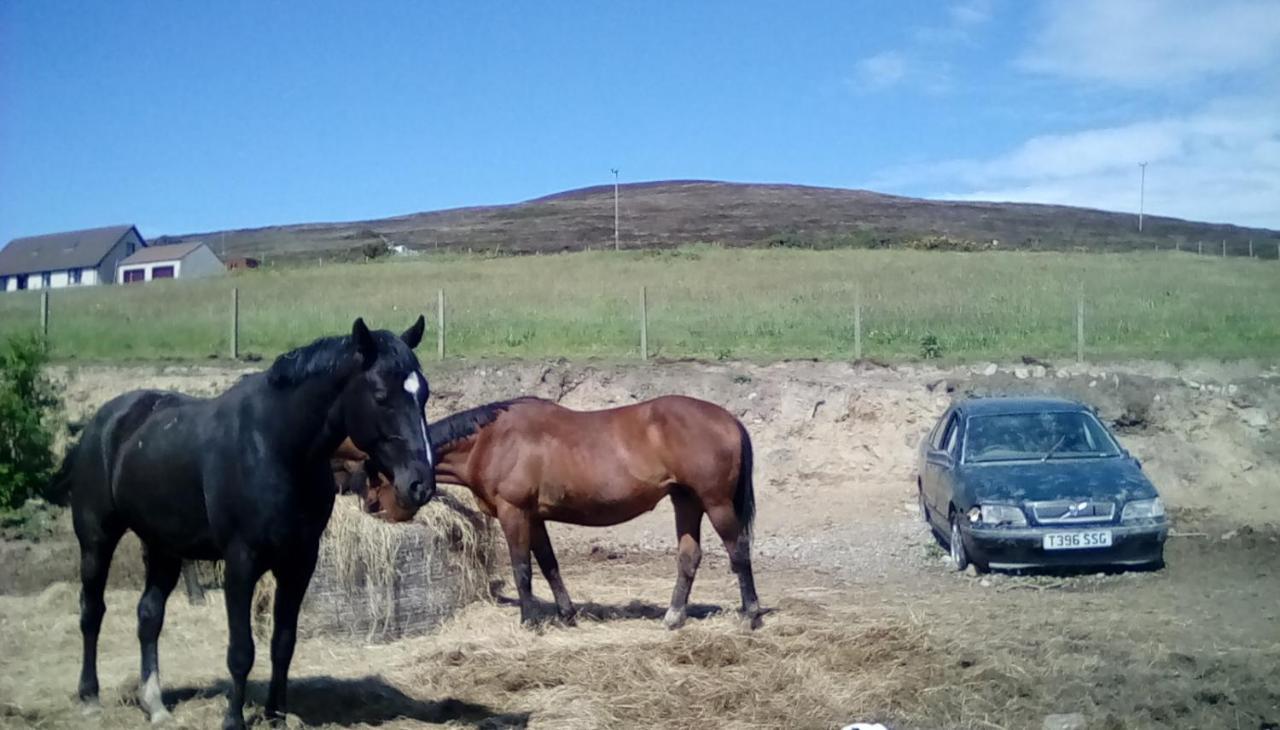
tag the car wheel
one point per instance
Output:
(959, 556)
(924, 507)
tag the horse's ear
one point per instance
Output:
(413, 336)
(363, 339)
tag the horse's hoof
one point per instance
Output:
(90, 706)
(569, 619)
(233, 723)
(674, 619)
(751, 621)
(160, 716)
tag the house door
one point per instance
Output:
(162, 272)
(22, 281)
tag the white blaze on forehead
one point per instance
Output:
(412, 385)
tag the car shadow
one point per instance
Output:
(366, 700)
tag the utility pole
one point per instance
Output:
(616, 247)
(1142, 194)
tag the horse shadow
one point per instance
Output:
(635, 609)
(368, 700)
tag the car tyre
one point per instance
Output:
(924, 506)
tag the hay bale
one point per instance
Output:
(377, 581)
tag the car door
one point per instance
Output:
(938, 464)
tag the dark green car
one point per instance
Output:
(1036, 482)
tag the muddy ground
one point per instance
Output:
(869, 622)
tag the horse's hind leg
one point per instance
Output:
(96, 549)
(738, 546)
(689, 546)
(163, 570)
(541, 543)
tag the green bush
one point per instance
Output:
(27, 399)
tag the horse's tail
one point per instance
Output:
(744, 497)
(58, 490)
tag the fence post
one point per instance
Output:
(44, 319)
(1250, 248)
(235, 323)
(1200, 247)
(440, 324)
(1080, 325)
(1224, 248)
(857, 322)
(644, 323)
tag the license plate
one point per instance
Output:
(1080, 540)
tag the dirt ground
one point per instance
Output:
(867, 623)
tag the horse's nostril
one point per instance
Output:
(418, 491)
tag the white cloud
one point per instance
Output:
(971, 13)
(1154, 42)
(1221, 163)
(881, 71)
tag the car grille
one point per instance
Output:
(1061, 511)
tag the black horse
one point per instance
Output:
(243, 477)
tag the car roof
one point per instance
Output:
(1001, 406)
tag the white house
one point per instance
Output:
(178, 260)
(74, 258)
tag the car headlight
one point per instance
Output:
(1143, 509)
(999, 514)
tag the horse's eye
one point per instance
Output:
(380, 396)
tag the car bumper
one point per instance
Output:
(1023, 547)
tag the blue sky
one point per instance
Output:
(185, 117)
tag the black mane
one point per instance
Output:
(461, 425)
(328, 355)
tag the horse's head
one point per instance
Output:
(384, 409)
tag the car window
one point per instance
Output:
(1046, 435)
(953, 435)
(946, 435)
(935, 436)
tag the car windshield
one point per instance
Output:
(1048, 435)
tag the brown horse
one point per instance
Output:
(529, 461)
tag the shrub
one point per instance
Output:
(27, 399)
(930, 348)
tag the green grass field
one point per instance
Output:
(703, 302)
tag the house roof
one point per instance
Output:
(167, 252)
(60, 251)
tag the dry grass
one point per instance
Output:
(1003, 661)
(380, 580)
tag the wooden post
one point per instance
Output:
(1080, 325)
(644, 323)
(440, 324)
(1224, 248)
(1177, 245)
(1200, 247)
(235, 323)
(44, 318)
(857, 322)
(1250, 248)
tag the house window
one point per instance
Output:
(4, 283)
(73, 276)
(44, 279)
(162, 272)
(129, 249)
(134, 275)
(22, 281)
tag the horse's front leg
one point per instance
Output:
(516, 525)
(243, 572)
(541, 543)
(292, 579)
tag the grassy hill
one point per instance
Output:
(673, 213)
(703, 301)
